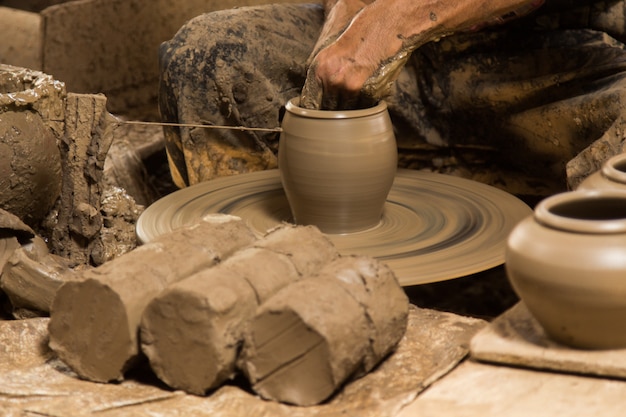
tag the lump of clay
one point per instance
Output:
(13, 233)
(31, 278)
(312, 336)
(193, 330)
(29, 274)
(94, 322)
(319, 249)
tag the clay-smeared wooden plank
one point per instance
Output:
(85, 143)
(95, 322)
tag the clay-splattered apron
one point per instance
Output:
(532, 106)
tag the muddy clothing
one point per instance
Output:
(526, 106)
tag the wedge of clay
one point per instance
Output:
(94, 322)
(192, 331)
(29, 274)
(312, 336)
(31, 278)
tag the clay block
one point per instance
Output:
(192, 331)
(312, 336)
(383, 300)
(319, 249)
(94, 323)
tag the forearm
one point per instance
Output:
(346, 4)
(407, 24)
(339, 13)
(376, 38)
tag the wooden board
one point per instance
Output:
(481, 390)
(33, 381)
(516, 338)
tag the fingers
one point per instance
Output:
(312, 92)
(343, 84)
(314, 96)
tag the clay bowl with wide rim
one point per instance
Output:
(567, 262)
(612, 175)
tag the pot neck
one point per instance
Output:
(293, 108)
(597, 212)
(614, 169)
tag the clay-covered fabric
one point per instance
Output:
(525, 106)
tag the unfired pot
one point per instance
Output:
(337, 167)
(30, 159)
(612, 175)
(567, 263)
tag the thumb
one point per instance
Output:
(312, 92)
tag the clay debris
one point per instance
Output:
(193, 330)
(94, 322)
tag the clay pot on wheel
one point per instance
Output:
(337, 167)
(611, 176)
(567, 263)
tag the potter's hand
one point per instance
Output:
(339, 14)
(358, 68)
(343, 60)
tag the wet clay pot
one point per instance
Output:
(567, 263)
(337, 167)
(30, 159)
(611, 176)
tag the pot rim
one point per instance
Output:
(547, 212)
(293, 108)
(610, 171)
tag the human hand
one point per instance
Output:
(358, 67)
(347, 54)
(339, 13)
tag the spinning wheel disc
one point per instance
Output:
(434, 227)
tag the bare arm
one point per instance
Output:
(369, 53)
(339, 13)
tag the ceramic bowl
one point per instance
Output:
(567, 262)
